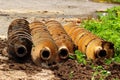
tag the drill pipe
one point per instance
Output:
(62, 40)
(19, 40)
(88, 43)
(44, 49)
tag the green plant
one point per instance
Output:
(79, 56)
(116, 1)
(101, 72)
(107, 27)
(71, 74)
(108, 61)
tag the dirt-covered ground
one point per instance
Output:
(72, 70)
(68, 70)
(61, 10)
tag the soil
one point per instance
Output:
(63, 11)
(68, 70)
(10, 70)
(72, 70)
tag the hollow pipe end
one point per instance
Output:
(100, 53)
(45, 53)
(20, 50)
(63, 52)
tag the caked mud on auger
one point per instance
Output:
(62, 40)
(19, 40)
(44, 49)
(88, 43)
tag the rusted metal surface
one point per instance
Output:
(62, 40)
(19, 40)
(44, 49)
(88, 43)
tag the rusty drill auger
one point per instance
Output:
(19, 40)
(44, 49)
(88, 43)
(62, 40)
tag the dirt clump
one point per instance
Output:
(115, 71)
(72, 70)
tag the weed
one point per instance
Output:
(107, 27)
(116, 79)
(115, 1)
(79, 56)
(100, 71)
(71, 75)
(108, 61)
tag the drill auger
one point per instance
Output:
(88, 43)
(62, 40)
(19, 40)
(44, 49)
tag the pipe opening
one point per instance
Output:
(102, 53)
(63, 53)
(45, 54)
(21, 51)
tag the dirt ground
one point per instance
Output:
(72, 70)
(61, 10)
(68, 70)
(10, 70)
